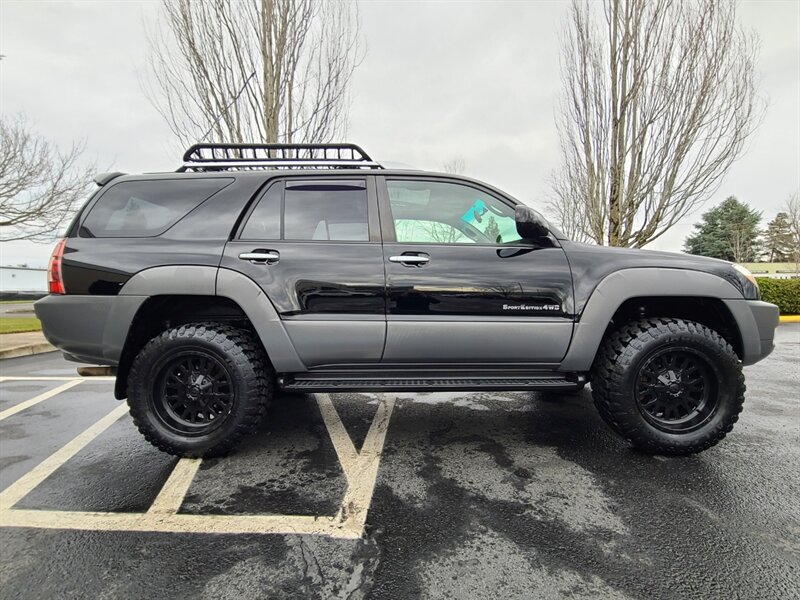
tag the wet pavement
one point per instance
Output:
(468, 496)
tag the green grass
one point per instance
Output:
(19, 324)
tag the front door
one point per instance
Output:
(461, 285)
(313, 246)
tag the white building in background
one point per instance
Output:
(773, 270)
(25, 280)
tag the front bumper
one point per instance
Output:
(757, 321)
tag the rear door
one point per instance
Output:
(313, 245)
(461, 285)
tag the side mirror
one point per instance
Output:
(530, 224)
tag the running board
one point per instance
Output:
(392, 383)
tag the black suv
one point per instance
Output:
(311, 268)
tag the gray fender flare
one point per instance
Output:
(262, 314)
(212, 281)
(157, 281)
(622, 285)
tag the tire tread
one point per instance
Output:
(241, 347)
(609, 390)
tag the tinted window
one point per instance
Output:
(265, 221)
(147, 208)
(333, 214)
(311, 212)
(429, 232)
(448, 213)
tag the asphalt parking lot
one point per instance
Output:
(453, 495)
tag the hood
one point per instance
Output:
(650, 258)
(591, 264)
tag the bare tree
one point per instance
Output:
(659, 99)
(254, 70)
(40, 185)
(568, 207)
(456, 165)
(792, 210)
(741, 246)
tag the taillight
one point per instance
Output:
(54, 279)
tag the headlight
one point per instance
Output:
(753, 293)
(747, 274)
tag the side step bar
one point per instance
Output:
(393, 383)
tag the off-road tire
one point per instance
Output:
(249, 370)
(618, 364)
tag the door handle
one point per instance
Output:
(260, 256)
(410, 259)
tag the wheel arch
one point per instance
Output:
(177, 295)
(662, 292)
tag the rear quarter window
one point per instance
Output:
(147, 208)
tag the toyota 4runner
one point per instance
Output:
(258, 267)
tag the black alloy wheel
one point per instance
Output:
(197, 389)
(193, 392)
(676, 390)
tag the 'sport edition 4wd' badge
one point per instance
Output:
(533, 307)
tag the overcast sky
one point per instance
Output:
(475, 79)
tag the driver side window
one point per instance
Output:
(433, 212)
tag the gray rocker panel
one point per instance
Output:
(477, 341)
(320, 342)
(622, 285)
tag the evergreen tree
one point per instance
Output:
(778, 241)
(728, 231)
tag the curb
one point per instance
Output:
(790, 319)
(29, 350)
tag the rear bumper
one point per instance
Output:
(90, 329)
(757, 321)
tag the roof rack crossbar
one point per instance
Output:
(231, 157)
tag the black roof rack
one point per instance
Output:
(202, 158)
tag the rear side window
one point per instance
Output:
(147, 208)
(311, 212)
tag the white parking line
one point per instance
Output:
(171, 496)
(358, 496)
(360, 469)
(28, 403)
(228, 524)
(345, 450)
(25, 484)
